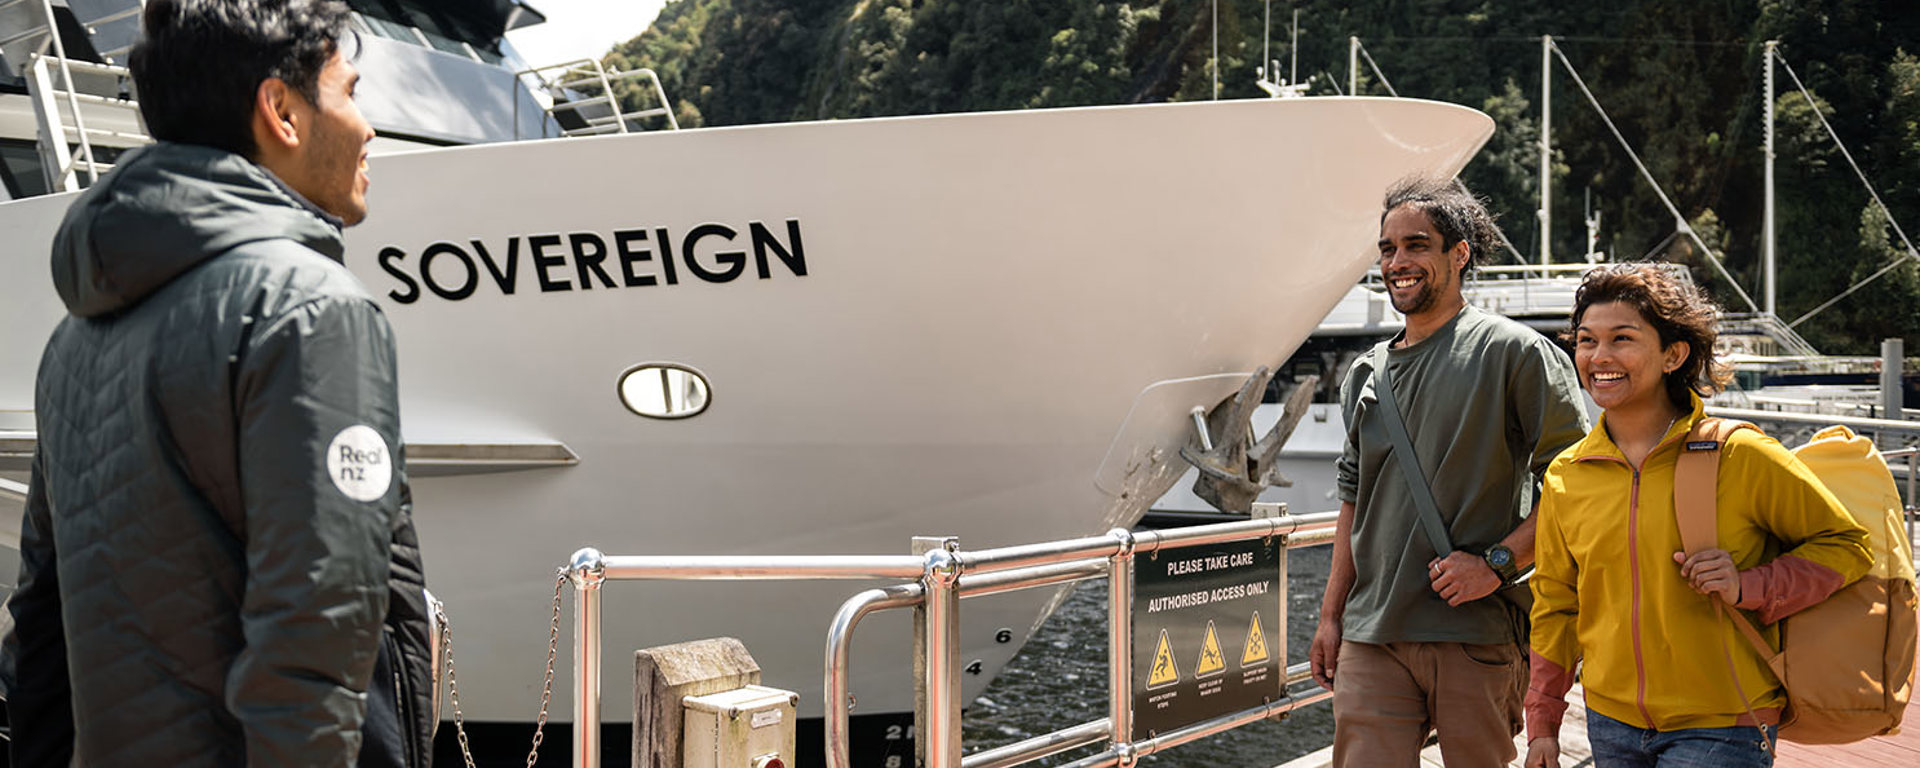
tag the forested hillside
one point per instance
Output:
(1680, 78)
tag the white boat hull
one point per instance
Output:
(1003, 321)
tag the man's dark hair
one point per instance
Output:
(1455, 212)
(199, 63)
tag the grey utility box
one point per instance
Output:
(748, 727)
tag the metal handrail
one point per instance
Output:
(1856, 423)
(840, 632)
(945, 575)
(73, 106)
(591, 72)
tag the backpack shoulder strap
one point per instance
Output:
(1695, 477)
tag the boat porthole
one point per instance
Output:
(664, 391)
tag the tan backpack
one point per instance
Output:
(1847, 662)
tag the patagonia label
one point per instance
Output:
(359, 463)
(1703, 445)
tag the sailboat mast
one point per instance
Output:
(1546, 149)
(1766, 237)
(1293, 51)
(1353, 65)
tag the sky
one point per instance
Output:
(581, 29)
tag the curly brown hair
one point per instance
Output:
(1676, 308)
(1457, 214)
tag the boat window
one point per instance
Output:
(20, 169)
(664, 391)
(444, 31)
(391, 30)
(429, 24)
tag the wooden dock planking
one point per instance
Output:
(1901, 750)
(1574, 751)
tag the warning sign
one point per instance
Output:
(1255, 650)
(1165, 670)
(1210, 661)
(1182, 599)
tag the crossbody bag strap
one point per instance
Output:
(1403, 452)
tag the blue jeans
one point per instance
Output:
(1618, 745)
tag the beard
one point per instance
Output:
(336, 162)
(1421, 300)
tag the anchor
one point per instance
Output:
(1232, 472)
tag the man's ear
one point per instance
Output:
(276, 121)
(1460, 253)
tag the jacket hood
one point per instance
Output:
(166, 208)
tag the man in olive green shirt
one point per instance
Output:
(1411, 640)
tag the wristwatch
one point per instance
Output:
(1500, 559)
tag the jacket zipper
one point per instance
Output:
(1633, 562)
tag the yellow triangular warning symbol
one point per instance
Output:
(1256, 651)
(1165, 671)
(1211, 663)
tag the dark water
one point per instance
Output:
(1059, 680)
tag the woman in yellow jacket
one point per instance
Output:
(1614, 594)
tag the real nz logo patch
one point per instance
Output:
(359, 463)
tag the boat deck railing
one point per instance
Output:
(939, 577)
(585, 102)
(65, 90)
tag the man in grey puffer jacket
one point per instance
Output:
(218, 557)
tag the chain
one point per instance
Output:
(553, 648)
(546, 690)
(453, 683)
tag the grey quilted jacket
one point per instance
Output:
(218, 545)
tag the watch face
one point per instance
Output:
(1499, 557)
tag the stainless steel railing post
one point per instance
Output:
(942, 581)
(839, 697)
(1120, 638)
(587, 572)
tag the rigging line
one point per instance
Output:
(1377, 72)
(1515, 252)
(1679, 220)
(1662, 246)
(1334, 83)
(1849, 292)
(1863, 182)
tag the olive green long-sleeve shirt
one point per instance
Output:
(1488, 403)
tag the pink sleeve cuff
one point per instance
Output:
(1546, 697)
(1786, 586)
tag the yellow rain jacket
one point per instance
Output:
(1608, 592)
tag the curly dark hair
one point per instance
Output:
(199, 63)
(1678, 311)
(1456, 213)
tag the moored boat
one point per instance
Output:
(992, 326)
